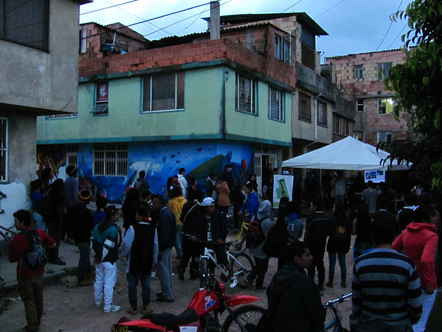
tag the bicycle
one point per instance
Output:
(205, 308)
(7, 233)
(333, 323)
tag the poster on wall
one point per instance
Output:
(282, 187)
(375, 176)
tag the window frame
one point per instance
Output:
(101, 101)
(254, 95)
(358, 72)
(106, 149)
(178, 75)
(360, 105)
(382, 75)
(381, 101)
(281, 110)
(300, 114)
(323, 124)
(386, 134)
(283, 49)
(45, 21)
(4, 148)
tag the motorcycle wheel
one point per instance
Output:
(240, 318)
(246, 268)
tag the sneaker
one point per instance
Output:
(147, 310)
(132, 311)
(112, 308)
(162, 298)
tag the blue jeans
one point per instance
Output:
(132, 283)
(84, 262)
(165, 272)
(179, 242)
(342, 265)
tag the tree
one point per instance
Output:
(417, 84)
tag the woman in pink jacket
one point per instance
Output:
(419, 241)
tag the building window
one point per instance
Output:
(246, 95)
(25, 22)
(282, 48)
(358, 72)
(322, 114)
(386, 105)
(384, 70)
(358, 135)
(305, 111)
(360, 105)
(101, 98)
(163, 92)
(276, 105)
(3, 149)
(110, 160)
(385, 137)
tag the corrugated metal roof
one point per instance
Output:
(354, 54)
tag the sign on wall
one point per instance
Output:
(375, 176)
(282, 187)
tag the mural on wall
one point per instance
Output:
(16, 197)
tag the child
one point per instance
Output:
(106, 239)
(138, 247)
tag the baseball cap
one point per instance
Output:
(208, 201)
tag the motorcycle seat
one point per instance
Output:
(172, 321)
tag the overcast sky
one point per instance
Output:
(353, 26)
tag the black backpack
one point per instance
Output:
(35, 257)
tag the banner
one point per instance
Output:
(375, 176)
(282, 187)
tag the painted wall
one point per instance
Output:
(46, 80)
(258, 126)
(202, 107)
(162, 160)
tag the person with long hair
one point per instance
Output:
(106, 240)
(130, 206)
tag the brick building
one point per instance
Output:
(362, 77)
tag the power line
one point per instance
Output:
(116, 5)
(331, 7)
(150, 19)
(291, 6)
(389, 27)
(395, 38)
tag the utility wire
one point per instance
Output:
(400, 34)
(151, 19)
(116, 5)
(332, 7)
(293, 5)
(389, 27)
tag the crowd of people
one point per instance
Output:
(395, 251)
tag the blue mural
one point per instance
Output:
(162, 160)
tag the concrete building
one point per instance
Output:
(186, 102)
(362, 77)
(39, 70)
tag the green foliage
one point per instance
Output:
(418, 82)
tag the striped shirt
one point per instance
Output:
(386, 287)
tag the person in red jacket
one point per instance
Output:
(30, 279)
(419, 241)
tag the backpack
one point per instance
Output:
(35, 257)
(254, 235)
(108, 250)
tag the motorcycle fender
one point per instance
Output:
(144, 323)
(235, 300)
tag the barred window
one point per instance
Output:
(358, 72)
(110, 160)
(101, 98)
(163, 92)
(246, 95)
(3, 149)
(305, 111)
(25, 22)
(322, 114)
(276, 104)
(384, 70)
(282, 49)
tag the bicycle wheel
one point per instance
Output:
(332, 323)
(241, 318)
(241, 267)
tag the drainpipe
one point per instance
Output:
(215, 31)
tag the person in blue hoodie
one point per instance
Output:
(252, 202)
(106, 239)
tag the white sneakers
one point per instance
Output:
(112, 308)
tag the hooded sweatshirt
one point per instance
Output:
(419, 242)
(176, 206)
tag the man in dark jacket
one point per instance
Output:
(294, 300)
(166, 226)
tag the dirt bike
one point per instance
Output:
(204, 310)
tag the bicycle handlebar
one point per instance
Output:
(340, 299)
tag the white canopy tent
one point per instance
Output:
(345, 154)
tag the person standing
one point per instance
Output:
(176, 204)
(363, 240)
(386, 285)
(294, 302)
(71, 194)
(166, 228)
(183, 181)
(82, 226)
(130, 207)
(340, 189)
(138, 247)
(29, 269)
(105, 241)
(419, 241)
(370, 197)
(223, 196)
(141, 183)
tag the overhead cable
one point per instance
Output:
(100, 9)
(389, 27)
